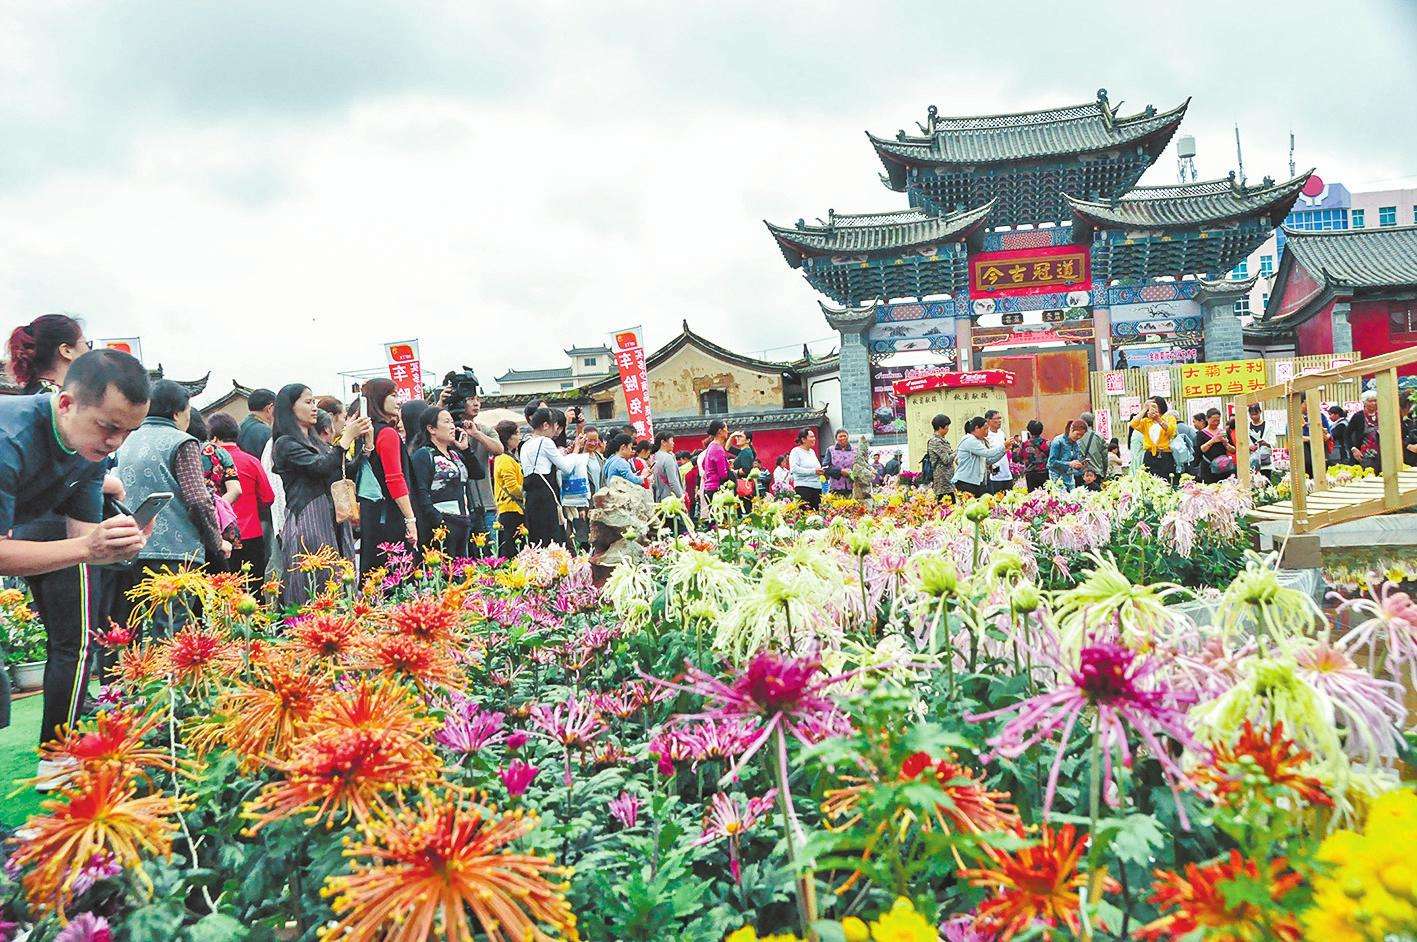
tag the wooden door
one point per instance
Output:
(1050, 385)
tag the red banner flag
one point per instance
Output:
(405, 369)
(629, 350)
(915, 384)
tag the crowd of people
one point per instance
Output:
(306, 477)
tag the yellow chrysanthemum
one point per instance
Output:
(1371, 891)
(903, 924)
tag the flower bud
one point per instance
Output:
(938, 578)
(976, 511)
(1024, 598)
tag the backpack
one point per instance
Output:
(927, 469)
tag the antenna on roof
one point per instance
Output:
(1239, 158)
(1291, 154)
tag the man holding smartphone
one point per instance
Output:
(481, 446)
(52, 452)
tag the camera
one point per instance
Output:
(462, 386)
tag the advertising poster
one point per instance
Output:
(628, 348)
(130, 345)
(405, 369)
(957, 403)
(887, 407)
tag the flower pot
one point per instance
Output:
(28, 676)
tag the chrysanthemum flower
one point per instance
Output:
(261, 720)
(1255, 601)
(198, 657)
(1366, 891)
(422, 873)
(1122, 689)
(1196, 902)
(1105, 597)
(425, 618)
(467, 728)
(1390, 627)
(140, 663)
(902, 923)
(625, 808)
(1265, 752)
(329, 637)
(98, 815)
(727, 819)
(573, 724)
(86, 928)
(1369, 711)
(111, 738)
(166, 589)
(406, 656)
(517, 777)
(1038, 884)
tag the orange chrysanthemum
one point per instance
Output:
(425, 618)
(140, 663)
(198, 656)
(421, 873)
(1269, 753)
(1197, 901)
(261, 720)
(327, 636)
(375, 703)
(111, 738)
(166, 589)
(337, 774)
(99, 815)
(966, 805)
(1038, 883)
(406, 656)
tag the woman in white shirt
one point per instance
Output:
(806, 469)
(542, 463)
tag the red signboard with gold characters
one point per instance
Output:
(1029, 271)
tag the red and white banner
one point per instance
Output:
(130, 345)
(629, 350)
(405, 369)
(917, 384)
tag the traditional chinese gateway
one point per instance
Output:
(1028, 246)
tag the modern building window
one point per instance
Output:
(566, 385)
(1317, 220)
(1242, 306)
(604, 410)
(1241, 270)
(1266, 264)
(1387, 215)
(1357, 217)
(1403, 320)
(713, 402)
(589, 361)
(1264, 302)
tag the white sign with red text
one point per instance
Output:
(130, 345)
(405, 369)
(628, 348)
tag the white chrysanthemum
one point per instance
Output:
(1106, 598)
(694, 575)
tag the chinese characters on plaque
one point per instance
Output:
(1029, 271)
(1226, 378)
(629, 351)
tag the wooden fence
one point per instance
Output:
(1137, 384)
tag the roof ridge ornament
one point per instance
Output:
(932, 120)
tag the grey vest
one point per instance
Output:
(145, 467)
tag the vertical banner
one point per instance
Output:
(405, 369)
(629, 349)
(131, 345)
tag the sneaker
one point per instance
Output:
(54, 774)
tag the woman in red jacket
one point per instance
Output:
(389, 517)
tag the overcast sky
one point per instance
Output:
(270, 190)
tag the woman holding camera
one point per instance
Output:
(385, 509)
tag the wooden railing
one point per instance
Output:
(1306, 389)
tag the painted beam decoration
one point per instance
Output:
(1049, 268)
(629, 350)
(1156, 333)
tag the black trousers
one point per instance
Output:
(509, 541)
(1162, 464)
(1035, 479)
(72, 603)
(811, 496)
(973, 490)
(255, 552)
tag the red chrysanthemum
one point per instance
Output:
(1197, 901)
(1035, 885)
(1267, 752)
(425, 618)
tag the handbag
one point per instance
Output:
(345, 495)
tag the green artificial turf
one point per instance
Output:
(17, 762)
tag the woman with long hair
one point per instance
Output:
(542, 464)
(440, 480)
(41, 351)
(307, 467)
(508, 490)
(385, 508)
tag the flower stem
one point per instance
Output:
(1094, 812)
(806, 904)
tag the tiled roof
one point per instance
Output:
(1189, 205)
(528, 376)
(1358, 258)
(869, 233)
(587, 351)
(1031, 135)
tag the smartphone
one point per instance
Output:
(150, 507)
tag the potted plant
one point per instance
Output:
(22, 639)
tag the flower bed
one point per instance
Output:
(889, 726)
